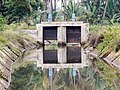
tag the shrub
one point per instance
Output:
(2, 23)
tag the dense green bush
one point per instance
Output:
(111, 34)
(26, 78)
(3, 40)
(2, 23)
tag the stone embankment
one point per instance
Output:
(9, 54)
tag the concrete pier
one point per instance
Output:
(61, 34)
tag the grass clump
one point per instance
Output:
(3, 40)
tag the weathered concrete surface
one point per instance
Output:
(32, 33)
(62, 23)
(84, 32)
(61, 34)
(62, 55)
(40, 33)
(40, 57)
(59, 66)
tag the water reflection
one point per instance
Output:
(61, 55)
(30, 77)
(50, 56)
(54, 56)
(73, 54)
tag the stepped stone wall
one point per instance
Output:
(8, 55)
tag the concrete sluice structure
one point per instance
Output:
(62, 57)
(61, 34)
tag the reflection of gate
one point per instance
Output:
(73, 34)
(50, 56)
(50, 33)
(73, 54)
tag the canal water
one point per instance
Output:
(27, 76)
(50, 54)
(61, 79)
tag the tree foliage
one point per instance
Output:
(2, 23)
(20, 10)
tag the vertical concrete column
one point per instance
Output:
(40, 33)
(40, 57)
(62, 55)
(61, 34)
(84, 32)
(84, 59)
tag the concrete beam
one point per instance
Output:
(61, 34)
(40, 33)
(59, 66)
(84, 32)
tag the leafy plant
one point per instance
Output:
(22, 10)
(25, 78)
(111, 38)
(2, 23)
(70, 8)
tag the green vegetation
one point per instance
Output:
(2, 23)
(109, 43)
(111, 36)
(35, 11)
(19, 11)
(110, 74)
(26, 78)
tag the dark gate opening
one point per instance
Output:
(73, 54)
(73, 34)
(50, 33)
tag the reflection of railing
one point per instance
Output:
(112, 61)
